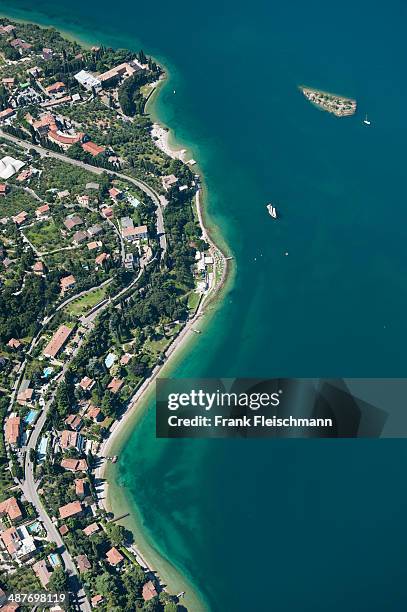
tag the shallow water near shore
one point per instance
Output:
(282, 525)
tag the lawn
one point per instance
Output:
(45, 236)
(193, 300)
(83, 304)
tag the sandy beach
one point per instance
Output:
(186, 333)
(161, 138)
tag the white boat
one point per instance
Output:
(366, 121)
(272, 211)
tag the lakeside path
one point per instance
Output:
(178, 342)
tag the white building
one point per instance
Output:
(88, 81)
(9, 166)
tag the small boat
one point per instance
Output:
(272, 211)
(366, 121)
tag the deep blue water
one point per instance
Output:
(283, 525)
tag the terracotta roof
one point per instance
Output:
(93, 245)
(93, 412)
(63, 530)
(149, 591)
(57, 342)
(71, 222)
(38, 266)
(12, 429)
(66, 139)
(55, 87)
(10, 539)
(14, 343)
(7, 113)
(42, 209)
(114, 557)
(124, 359)
(86, 383)
(83, 563)
(68, 439)
(42, 572)
(107, 211)
(20, 218)
(134, 231)
(115, 385)
(113, 192)
(67, 281)
(101, 258)
(72, 509)
(80, 486)
(11, 508)
(90, 529)
(25, 396)
(96, 599)
(74, 421)
(92, 148)
(79, 236)
(120, 70)
(74, 465)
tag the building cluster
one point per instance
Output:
(204, 271)
(97, 82)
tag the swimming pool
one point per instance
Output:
(54, 559)
(110, 359)
(31, 417)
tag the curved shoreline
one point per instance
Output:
(116, 499)
(173, 576)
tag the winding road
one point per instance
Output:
(29, 485)
(75, 162)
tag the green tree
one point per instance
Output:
(58, 581)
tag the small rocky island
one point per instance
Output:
(332, 103)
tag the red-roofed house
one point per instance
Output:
(14, 343)
(92, 148)
(3, 189)
(38, 268)
(83, 563)
(42, 572)
(12, 430)
(70, 439)
(149, 591)
(63, 530)
(72, 509)
(107, 212)
(57, 342)
(41, 212)
(6, 114)
(74, 421)
(74, 465)
(67, 282)
(11, 508)
(55, 88)
(90, 529)
(115, 385)
(115, 194)
(80, 487)
(87, 383)
(94, 413)
(96, 600)
(101, 258)
(114, 557)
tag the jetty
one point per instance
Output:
(332, 103)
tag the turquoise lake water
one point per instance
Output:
(282, 525)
